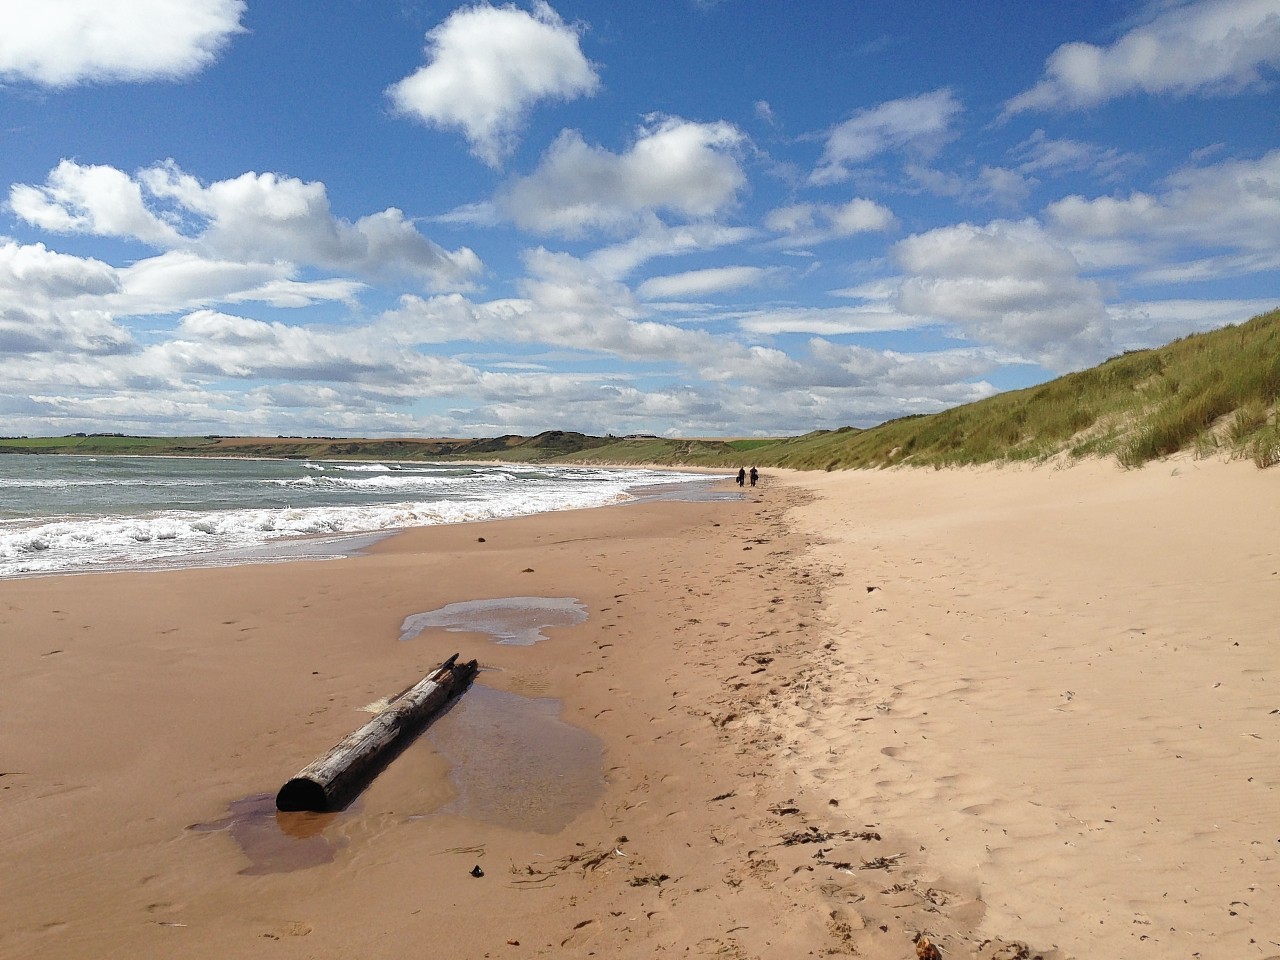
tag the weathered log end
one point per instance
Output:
(301, 793)
(332, 781)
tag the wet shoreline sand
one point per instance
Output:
(815, 706)
(139, 705)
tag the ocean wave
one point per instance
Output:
(93, 542)
(362, 467)
(321, 502)
(378, 481)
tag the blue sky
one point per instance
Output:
(365, 217)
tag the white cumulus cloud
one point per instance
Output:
(1212, 47)
(61, 43)
(256, 217)
(35, 272)
(488, 66)
(1205, 222)
(675, 166)
(1008, 284)
(50, 303)
(209, 344)
(92, 199)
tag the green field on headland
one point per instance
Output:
(1215, 393)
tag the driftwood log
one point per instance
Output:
(331, 782)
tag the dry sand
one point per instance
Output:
(1071, 684)
(991, 707)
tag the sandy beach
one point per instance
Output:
(1020, 712)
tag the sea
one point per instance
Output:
(73, 514)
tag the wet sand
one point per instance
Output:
(825, 719)
(150, 717)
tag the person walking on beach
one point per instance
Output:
(742, 475)
(755, 475)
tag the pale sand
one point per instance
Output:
(1070, 685)
(1035, 765)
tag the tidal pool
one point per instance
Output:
(514, 763)
(518, 621)
(273, 841)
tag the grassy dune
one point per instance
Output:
(1214, 392)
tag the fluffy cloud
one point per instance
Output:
(1216, 46)
(180, 280)
(32, 271)
(805, 224)
(50, 303)
(93, 199)
(488, 66)
(263, 215)
(260, 217)
(1221, 220)
(675, 166)
(918, 124)
(1007, 284)
(210, 346)
(61, 43)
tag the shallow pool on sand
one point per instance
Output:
(515, 763)
(492, 756)
(512, 620)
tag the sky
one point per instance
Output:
(677, 217)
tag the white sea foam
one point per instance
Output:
(365, 501)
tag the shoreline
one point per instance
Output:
(174, 537)
(183, 694)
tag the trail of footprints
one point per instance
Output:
(776, 864)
